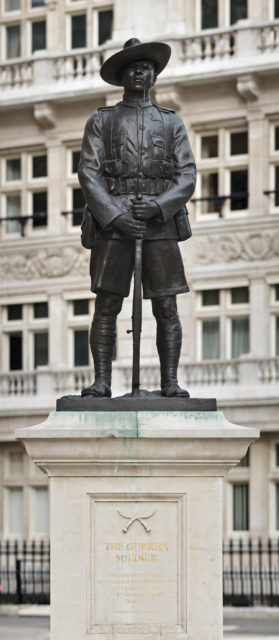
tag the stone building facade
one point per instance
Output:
(222, 80)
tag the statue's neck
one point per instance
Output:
(136, 97)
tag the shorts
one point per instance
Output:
(112, 267)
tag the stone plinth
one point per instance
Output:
(136, 521)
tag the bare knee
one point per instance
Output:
(164, 307)
(108, 304)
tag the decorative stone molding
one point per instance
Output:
(169, 97)
(233, 247)
(45, 263)
(45, 115)
(248, 87)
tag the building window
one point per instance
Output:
(277, 504)
(13, 210)
(81, 347)
(81, 307)
(241, 507)
(277, 336)
(40, 310)
(209, 14)
(15, 510)
(78, 206)
(222, 183)
(210, 340)
(13, 41)
(37, 3)
(223, 317)
(38, 35)
(40, 349)
(12, 5)
(277, 454)
(238, 10)
(13, 169)
(40, 511)
(78, 31)
(75, 161)
(105, 19)
(39, 166)
(15, 351)
(39, 208)
(276, 8)
(14, 312)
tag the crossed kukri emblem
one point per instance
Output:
(136, 518)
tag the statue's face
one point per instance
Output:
(139, 75)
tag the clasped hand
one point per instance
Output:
(135, 225)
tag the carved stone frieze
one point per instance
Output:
(233, 247)
(54, 262)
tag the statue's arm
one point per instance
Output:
(184, 180)
(90, 172)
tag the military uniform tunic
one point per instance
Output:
(128, 150)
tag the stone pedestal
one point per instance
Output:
(136, 521)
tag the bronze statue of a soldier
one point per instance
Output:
(137, 172)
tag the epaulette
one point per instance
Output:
(104, 108)
(164, 109)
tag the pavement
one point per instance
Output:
(237, 626)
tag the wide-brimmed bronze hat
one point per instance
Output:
(133, 50)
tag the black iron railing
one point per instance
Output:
(251, 572)
(24, 572)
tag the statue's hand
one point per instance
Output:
(145, 209)
(130, 226)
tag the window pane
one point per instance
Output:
(239, 295)
(13, 210)
(239, 143)
(210, 297)
(14, 311)
(277, 292)
(78, 205)
(240, 507)
(209, 146)
(209, 9)
(15, 502)
(276, 137)
(277, 336)
(238, 10)
(13, 169)
(38, 35)
(239, 184)
(81, 307)
(277, 506)
(209, 190)
(15, 463)
(276, 8)
(41, 510)
(39, 166)
(81, 354)
(40, 310)
(245, 462)
(277, 186)
(210, 340)
(38, 3)
(78, 31)
(15, 344)
(12, 5)
(75, 161)
(277, 455)
(105, 25)
(40, 209)
(240, 336)
(40, 349)
(13, 41)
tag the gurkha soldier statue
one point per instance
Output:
(137, 172)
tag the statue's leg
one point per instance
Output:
(169, 340)
(102, 342)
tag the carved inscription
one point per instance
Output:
(135, 572)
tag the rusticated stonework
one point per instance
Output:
(44, 263)
(232, 247)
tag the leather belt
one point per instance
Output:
(150, 186)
